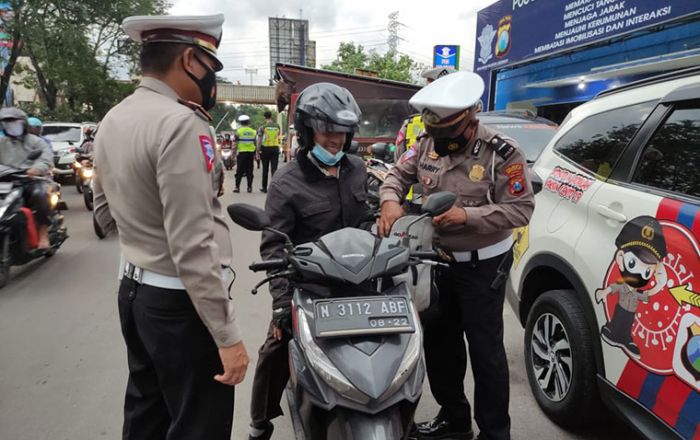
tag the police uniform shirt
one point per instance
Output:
(155, 175)
(489, 178)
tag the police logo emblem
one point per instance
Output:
(453, 146)
(477, 173)
(648, 232)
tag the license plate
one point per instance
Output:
(5, 187)
(363, 316)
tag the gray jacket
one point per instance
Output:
(14, 152)
(306, 204)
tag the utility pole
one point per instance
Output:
(251, 72)
(393, 28)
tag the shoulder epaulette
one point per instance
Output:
(502, 148)
(197, 109)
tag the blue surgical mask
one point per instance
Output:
(325, 157)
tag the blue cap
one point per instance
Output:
(34, 122)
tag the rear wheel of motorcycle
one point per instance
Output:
(5, 262)
(98, 230)
(89, 202)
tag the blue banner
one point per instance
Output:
(512, 31)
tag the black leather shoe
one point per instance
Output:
(237, 190)
(250, 190)
(265, 433)
(439, 428)
(263, 190)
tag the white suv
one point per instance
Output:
(65, 137)
(606, 279)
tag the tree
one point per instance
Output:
(388, 66)
(75, 50)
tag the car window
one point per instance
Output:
(532, 137)
(62, 133)
(597, 142)
(671, 159)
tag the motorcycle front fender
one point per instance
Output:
(352, 425)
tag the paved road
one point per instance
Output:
(63, 363)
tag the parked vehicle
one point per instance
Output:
(18, 231)
(356, 358)
(65, 138)
(532, 133)
(605, 277)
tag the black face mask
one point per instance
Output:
(445, 146)
(207, 85)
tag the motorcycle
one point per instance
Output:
(378, 167)
(355, 358)
(227, 157)
(83, 180)
(18, 232)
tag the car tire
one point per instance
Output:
(559, 349)
(98, 230)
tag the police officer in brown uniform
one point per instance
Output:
(155, 167)
(488, 173)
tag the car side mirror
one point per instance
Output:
(34, 155)
(248, 216)
(439, 203)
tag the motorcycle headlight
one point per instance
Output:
(53, 200)
(77, 165)
(87, 173)
(324, 367)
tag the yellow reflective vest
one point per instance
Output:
(413, 129)
(270, 135)
(245, 139)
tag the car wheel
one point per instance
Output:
(559, 359)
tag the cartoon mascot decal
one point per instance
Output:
(641, 248)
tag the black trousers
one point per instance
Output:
(270, 158)
(37, 199)
(244, 167)
(271, 376)
(468, 306)
(171, 392)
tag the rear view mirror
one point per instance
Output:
(249, 217)
(439, 203)
(34, 155)
(354, 147)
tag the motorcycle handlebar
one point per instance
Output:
(268, 265)
(430, 255)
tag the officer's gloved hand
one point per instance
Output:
(282, 321)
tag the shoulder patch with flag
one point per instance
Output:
(208, 150)
(405, 157)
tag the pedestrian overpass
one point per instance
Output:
(240, 94)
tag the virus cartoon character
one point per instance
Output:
(641, 247)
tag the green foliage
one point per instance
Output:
(388, 66)
(76, 49)
(255, 112)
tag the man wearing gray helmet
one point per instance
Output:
(322, 191)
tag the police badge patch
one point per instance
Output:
(477, 173)
(208, 151)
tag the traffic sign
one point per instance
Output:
(446, 56)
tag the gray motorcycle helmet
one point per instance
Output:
(325, 107)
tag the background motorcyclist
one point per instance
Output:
(36, 127)
(322, 191)
(15, 148)
(85, 151)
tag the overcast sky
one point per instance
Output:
(424, 24)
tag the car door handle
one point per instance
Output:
(610, 213)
